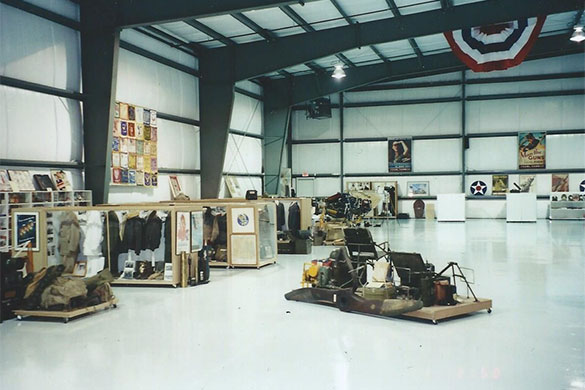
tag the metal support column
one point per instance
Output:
(341, 141)
(276, 129)
(464, 139)
(99, 59)
(216, 100)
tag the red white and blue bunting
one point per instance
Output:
(495, 47)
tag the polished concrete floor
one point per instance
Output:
(238, 332)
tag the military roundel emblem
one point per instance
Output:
(582, 186)
(243, 219)
(478, 188)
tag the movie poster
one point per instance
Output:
(532, 150)
(499, 184)
(26, 230)
(399, 155)
(560, 182)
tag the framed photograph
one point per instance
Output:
(80, 268)
(4, 181)
(499, 184)
(358, 185)
(243, 220)
(175, 186)
(25, 229)
(183, 232)
(418, 188)
(560, 182)
(196, 231)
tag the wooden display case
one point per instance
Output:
(48, 235)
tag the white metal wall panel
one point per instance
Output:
(326, 186)
(36, 126)
(178, 145)
(436, 155)
(245, 182)
(525, 86)
(243, 155)
(316, 158)
(136, 38)
(365, 157)
(66, 8)
(190, 184)
(403, 94)
(249, 86)
(304, 128)
(156, 86)
(492, 153)
(565, 151)
(37, 50)
(406, 120)
(560, 112)
(572, 63)
(247, 114)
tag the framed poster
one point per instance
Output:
(532, 150)
(4, 181)
(61, 181)
(196, 231)
(175, 186)
(243, 220)
(243, 249)
(183, 233)
(358, 185)
(560, 182)
(499, 184)
(25, 229)
(21, 180)
(399, 155)
(418, 188)
(527, 183)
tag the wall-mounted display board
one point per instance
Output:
(134, 146)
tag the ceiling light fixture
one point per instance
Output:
(578, 35)
(338, 73)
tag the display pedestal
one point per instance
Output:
(521, 207)
(450, 207)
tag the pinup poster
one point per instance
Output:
(399, 155)
(499, 184)
(183, 232)
(532, 150)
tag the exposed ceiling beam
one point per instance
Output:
(446, 4)
(411, 41)
(308, 28)
(163, 36)
(350, 21)
(258, 58)
(300, 89)
(132, 13)
(209, 31)
(246, 21)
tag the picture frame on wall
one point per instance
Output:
(25, 229)
(358, 186)
(80, 268)
(417, 188)
(499, 184)
(183, 232)
(175, 186)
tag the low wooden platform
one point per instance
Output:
(259, 265)
(436, 313)
(223, 264)
(65, 315)
(145, 282)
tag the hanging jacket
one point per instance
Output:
(133, 234)
(208, 220)
(114, 241)
(69, 236)
(220, 230)
(168, 242)
(152, 232)
(280, 219)
(294, 217)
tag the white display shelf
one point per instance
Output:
(521, 207)
(10, 201)
(563, 208)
